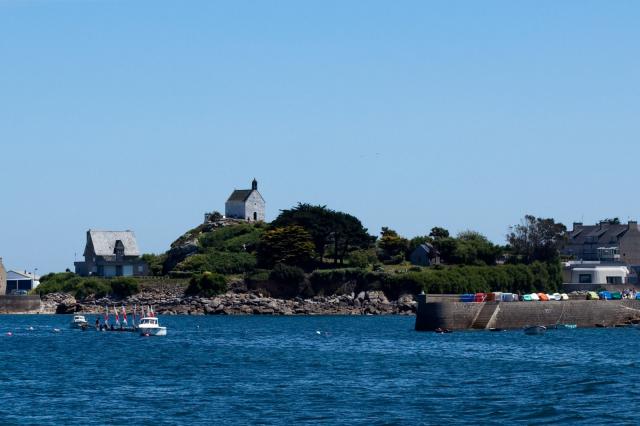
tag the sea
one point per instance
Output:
(351, 370)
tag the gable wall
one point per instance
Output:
(3, 279)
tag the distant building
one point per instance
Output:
(246, 204)
(111, 254)
(21, 282)
(593, 275)
(604, 242)
(425, 255)
(3, 278)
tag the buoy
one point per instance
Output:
(56, 330)
(9, 333)
(318, 332)
(30, 328)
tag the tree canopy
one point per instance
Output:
(290, 245)
(392, 246)
(329, 229)
(536, 239)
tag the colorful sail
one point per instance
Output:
(124, 316)
(106, 315)
(115, 311)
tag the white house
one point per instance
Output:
(246, 204)
(21, 281)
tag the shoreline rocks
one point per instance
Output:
(172, 301)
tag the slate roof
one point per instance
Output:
(240, 195)
(597, 234)
(104, 242)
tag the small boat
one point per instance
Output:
(149, 327)
(562, 326)
(79, 321)
(442, 330)
(535, 329)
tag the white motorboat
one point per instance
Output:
(79, 321)
(149, 326)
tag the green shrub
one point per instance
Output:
(285, 274)
(235, 238)
(362, 258)
(207, 284)
(257, 276)
(83, 287)
(124, 287)
(219, 262)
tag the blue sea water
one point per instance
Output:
(313, 370)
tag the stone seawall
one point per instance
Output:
(512, 315)
(19, 304)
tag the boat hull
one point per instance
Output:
(153, 331)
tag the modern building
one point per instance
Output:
(424, 255)
(21, 282)
(246, 204)
(592, 275)
(604, 242)
(111, 254)
(3, 279)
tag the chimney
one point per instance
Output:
(577, 225)
(633, 224)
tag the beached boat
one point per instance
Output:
(535, 329)
(149, 326)
(79, 321)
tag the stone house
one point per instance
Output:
(246, 204)
(111, 254)
(424, 255)
(3, 278)
(604, 242)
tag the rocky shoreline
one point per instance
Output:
(174, 302)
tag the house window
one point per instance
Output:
(614, 280)
(584, 278)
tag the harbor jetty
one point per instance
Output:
(448, 312)
(19, 304)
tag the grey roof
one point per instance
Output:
(428, 248)
(603, 233)
(104, 242)
(240, 195)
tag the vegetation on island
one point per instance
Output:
(82, 287)
(312, 250)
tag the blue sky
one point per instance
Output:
(468, 115)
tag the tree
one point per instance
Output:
(327, 228)
(473, 248)
(438, 232)
(290, 245)
(392, 245)
(614, 221)
(537, 239)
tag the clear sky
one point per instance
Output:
(143, 115)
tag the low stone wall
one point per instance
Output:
(13, 304)
(513, 315)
